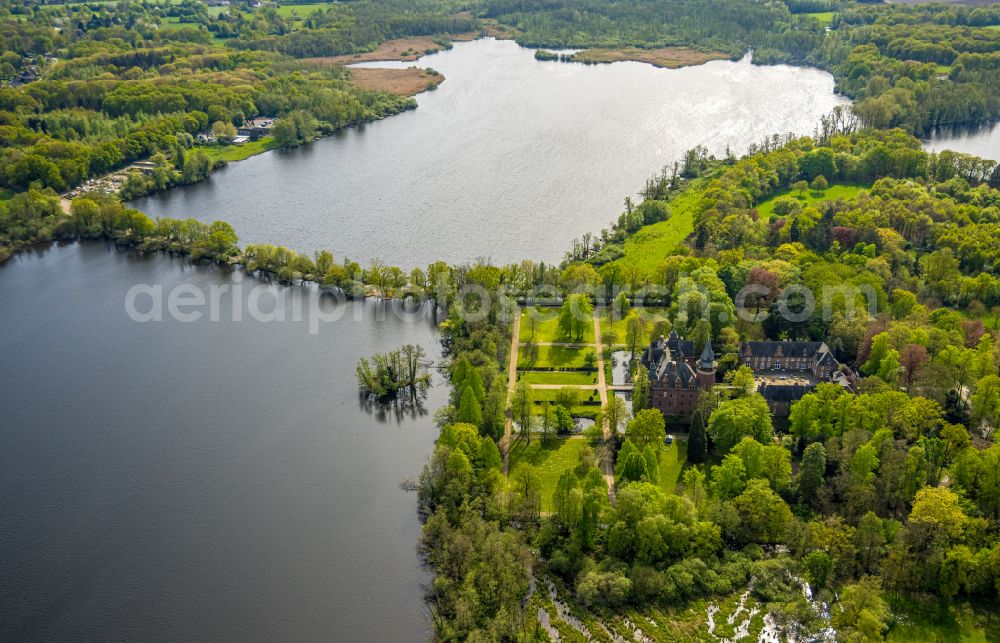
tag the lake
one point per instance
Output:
(202, 480)
(983, 142)
(509, 159)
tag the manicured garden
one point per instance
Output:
(541, 325)
(547, 357)
(618, 328)
(565, 378)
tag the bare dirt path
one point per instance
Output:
(508, 425)
(602, 389)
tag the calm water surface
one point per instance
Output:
(197, 481)
(510, 158)
(983, 142)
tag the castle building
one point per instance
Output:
(675, 376)
(784, 372)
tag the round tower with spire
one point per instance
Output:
(706, 367)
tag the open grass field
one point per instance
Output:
(824, 17)
(555, 357)
(585, 396)
(238, 152)
(618, 327)
(559, 377)
(766, 208)
(301, 10)
(647, 247)
(588, 401)
(542, 325)
(551, 461)
(672, 461)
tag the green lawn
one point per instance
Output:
(766, 208)
(562, 456)
(941, 622)
(301, 10)
(672, 460)
(238, 152)
(172, 23)
(649, 245)
(943, 69)
(559, 377)
(542, 325)
(586, 396)
(824, 17)
(618, 327)
(555, 357)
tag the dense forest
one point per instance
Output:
(114, 83)
(875, 498)
(112, 94)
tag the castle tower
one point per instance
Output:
(706, 367)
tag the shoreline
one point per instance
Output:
(399, 49)
(413, 81)
(661, 57)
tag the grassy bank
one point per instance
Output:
(230, 153)
(646, 248)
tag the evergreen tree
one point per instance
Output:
(640, 390)
(697, 443)
(469, 410)
(812, 471)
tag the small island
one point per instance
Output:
(387, 374)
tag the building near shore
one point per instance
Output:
(784, 371)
